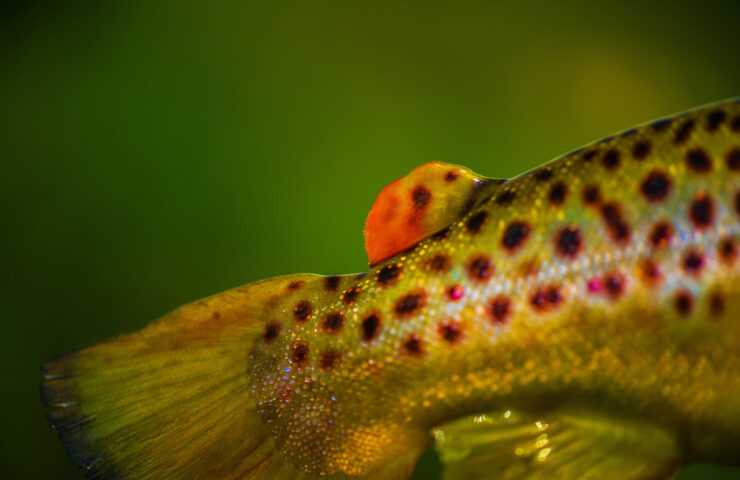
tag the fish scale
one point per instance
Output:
(599, 291)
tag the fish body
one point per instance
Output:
(581, 320)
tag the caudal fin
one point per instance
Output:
(170, 401)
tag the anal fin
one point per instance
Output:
(560, 445)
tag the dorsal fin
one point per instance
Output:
(429, 198)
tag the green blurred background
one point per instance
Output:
(157, 152)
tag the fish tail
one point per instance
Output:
(172, 400)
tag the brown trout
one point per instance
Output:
(579, 321)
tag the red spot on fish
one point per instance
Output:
(455, 292)
(594, 285)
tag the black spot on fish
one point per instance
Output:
(476, 221)
(610, 160)
(499, 309)
(331, 283)
(660, 125)
(701, 210)
(656, 186)
(515, 235)
(715, 119)
(660, 235)
(618, 228)
(684, 131)
(388, 275)
(641, 150)
(302, 311)
(370, 326)
(557, 194)
(439, 263)
(684, 302)
(409, 304)
(480, 268)
(328, 359)
(333, 322)
(350, 295)
(732, 159)
(698, 161)
(300, 352)
(271, 331)
(413, 345)
(505, 197)
(450, 331)
(421, 197)
(591, 194)
(568, 241)
(693, 262)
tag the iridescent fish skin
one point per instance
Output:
(603, 283)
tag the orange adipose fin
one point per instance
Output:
(429, 198)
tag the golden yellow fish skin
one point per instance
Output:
(544, 296)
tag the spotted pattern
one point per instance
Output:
(388, 275)
(646, 220)
(515, 235)
(701, 211)
(333, 322)
(370, 326)
(303, 311)
(409, 304)
(450, 331)
(656, 186)
(641, 150)
(698, 161)
(475, 222)
(615, 223)
(557, 194)
(480, 268)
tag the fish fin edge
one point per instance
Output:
(564, 445)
